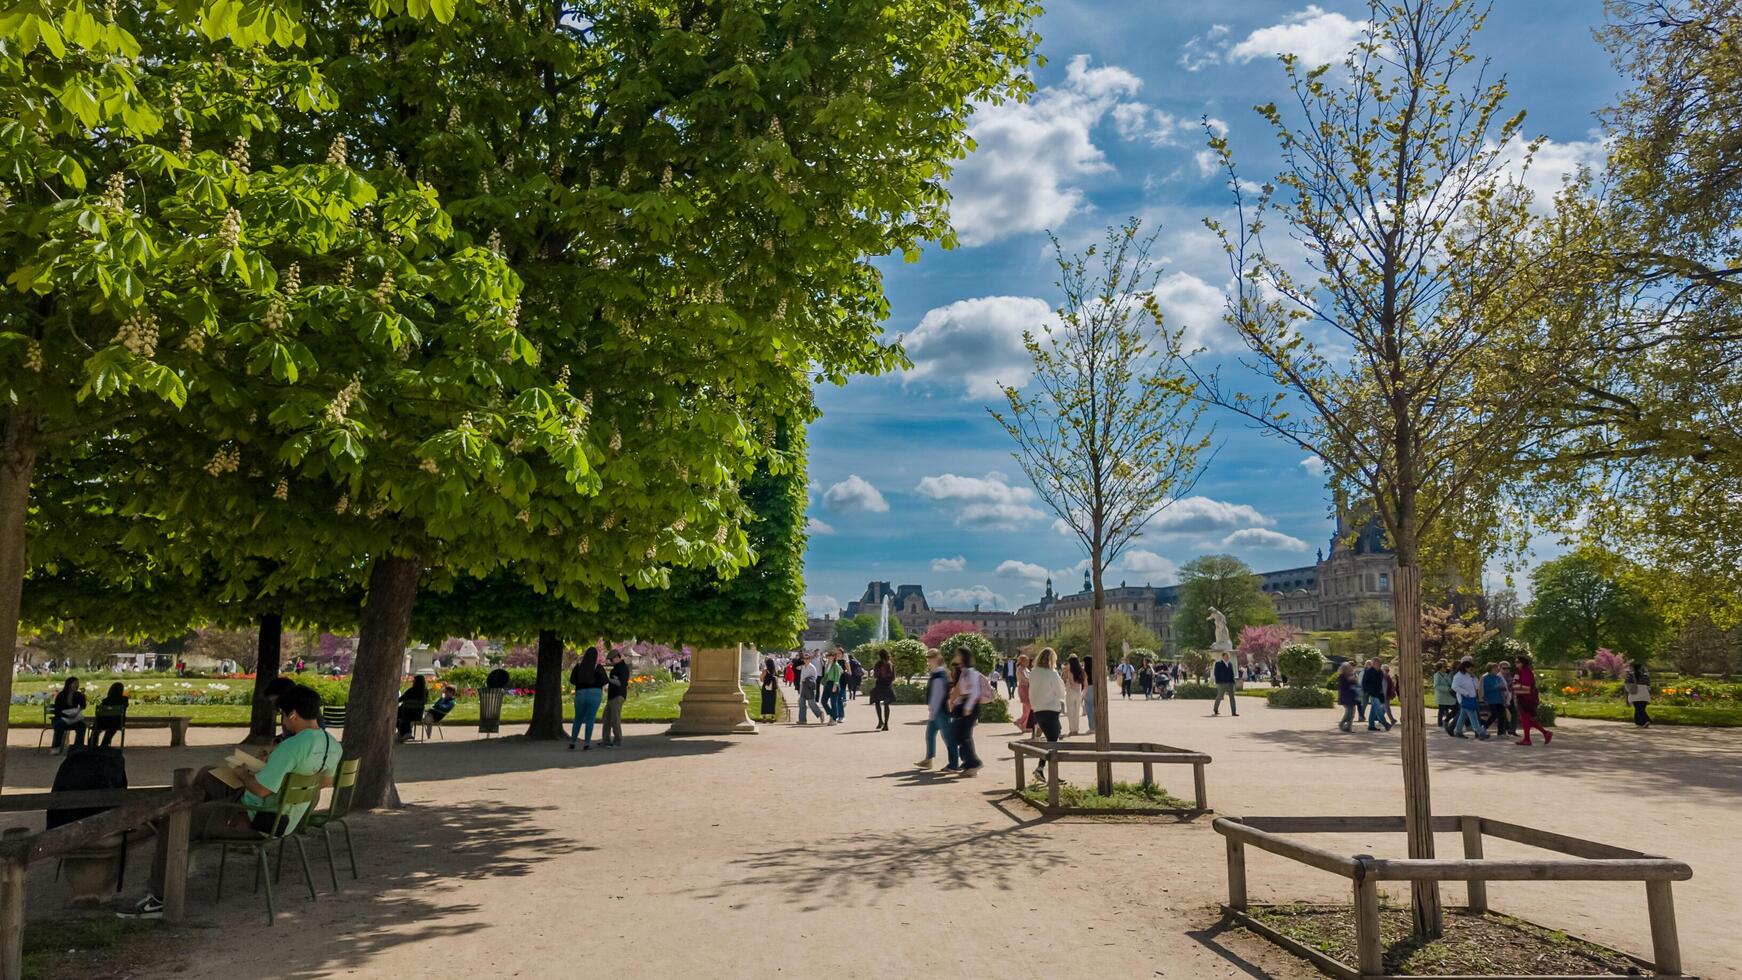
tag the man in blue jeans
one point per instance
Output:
(1373, 692)
(1464, 685)
(937, 697)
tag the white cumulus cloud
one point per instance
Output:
(1202, 515)
(814, 526)
(955, 564)
(1204, 49)
(1196, 306)
(855, 494)
(1153, 567)
(1315, 466)
(1552, 164)
(1030, 158)
(984, 503)
(822, 605)
(978, 595)
(1034, 575)
(1265, 539)
(1315, 35)
(975, 343)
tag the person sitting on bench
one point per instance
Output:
(411, 706)
(69, 715)
(111, 714)
(309, 750)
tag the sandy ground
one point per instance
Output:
(823, 852)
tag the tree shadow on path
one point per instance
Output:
(856, 868)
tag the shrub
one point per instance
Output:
(1500, 648)
(985, 654)
(473, 677)
(1197, 662)
(1138, 655)
(908, 656)
(1301, 697)
(997, 709)
(1545, 714)
(1195, 691)
(908, 693)
(1301, 664)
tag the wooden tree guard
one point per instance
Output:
(1595, 861)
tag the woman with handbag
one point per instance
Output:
(1637, 689)
(882, 688)
(1527, 702)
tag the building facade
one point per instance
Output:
(1323, 596)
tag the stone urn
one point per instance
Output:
(91, 872)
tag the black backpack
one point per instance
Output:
(86, 769)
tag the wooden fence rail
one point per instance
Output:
(131, 808)
(1595, 861)
(1149, 754)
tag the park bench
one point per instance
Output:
(130, 809)
(178, 726)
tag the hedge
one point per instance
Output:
(1301, 697)
(1194, 691)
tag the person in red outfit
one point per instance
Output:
(1524, 699)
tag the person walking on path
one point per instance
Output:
(1126, 672)
(965, 700)
(770, 688)
(1348, 694)
(855, 676)
(1445, 702)
(1224, 673)
(1390, 693)
(1637, 689)
(1026, 722)
(835, 689)
(1046, 694)
(1373, 692)
(1494, 697)
(1467, 688)
(1525, 697)
(589, 681)
(1076, 681)
(1146, 680)
(937, 700)
(809, 676)
(882, 688)
(1508, 701)
(1011, 670)
(616, 693)
(68, 715)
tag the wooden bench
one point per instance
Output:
(178, 726)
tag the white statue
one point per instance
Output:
(1221, 621)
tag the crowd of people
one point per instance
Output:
(1469, 698)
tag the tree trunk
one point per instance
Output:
(1097, 681)
(268, 649)
(547, 696)
(1417, 801)
(376, 675)
(16, 467)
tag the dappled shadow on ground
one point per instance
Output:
(1684, 761)
(857, 868)
(414, 862)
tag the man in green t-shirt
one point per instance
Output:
(306, 751)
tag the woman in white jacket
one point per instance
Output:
(1047, 693)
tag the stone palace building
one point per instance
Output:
(1321, 596)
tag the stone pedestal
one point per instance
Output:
(714, 704)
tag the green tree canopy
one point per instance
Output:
(853, 632)
(1073, 636)
(1218, 582)
(1579, 602)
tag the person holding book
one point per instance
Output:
(308, 751)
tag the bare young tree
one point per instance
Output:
(1406, 354)
(1109, 433)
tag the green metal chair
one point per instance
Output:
(296, 791)
(337, 814)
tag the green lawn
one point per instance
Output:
(1661, 714)
(659, 706)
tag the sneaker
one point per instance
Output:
(971, 771)
(953, 767)
(149, 907)
(1040, 775)
(571, 746)
(923, 763)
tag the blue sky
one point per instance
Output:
(912, 481)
